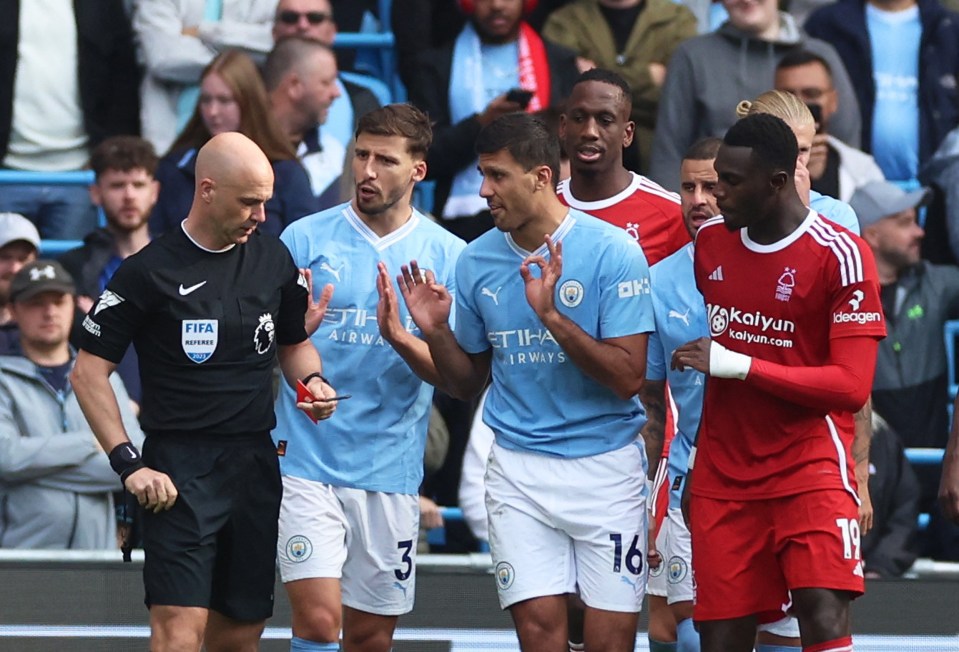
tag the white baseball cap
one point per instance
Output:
(14, 226)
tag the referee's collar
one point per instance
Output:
(211, 251)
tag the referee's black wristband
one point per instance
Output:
(125, 459)
(315, 374)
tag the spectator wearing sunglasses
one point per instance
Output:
(313, 20)
(177, 40)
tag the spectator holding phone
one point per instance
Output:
(498, 65)
(835, 168)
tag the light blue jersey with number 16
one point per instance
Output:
(540, 401)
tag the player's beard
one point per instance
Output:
(379, 203)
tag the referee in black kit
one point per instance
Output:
(209, 308)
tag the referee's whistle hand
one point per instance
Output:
(154, 490)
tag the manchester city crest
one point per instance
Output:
(571, 293)
(198, 338)
(299, 548)
(504, 575)
(677, 570)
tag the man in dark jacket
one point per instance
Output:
(496, 52)
(903, 59)
(126, 190)
(890, 548)
(66, 83)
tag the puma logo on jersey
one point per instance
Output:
(486, 292)
(185, 291)
(857, 297)
(682, 316)
(335, 273)
(717, 274)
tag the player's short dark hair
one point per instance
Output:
(607, 77)
(286, 55)
(550, 117)
(800, 57)
(527, 139)
(772, 141)
(123, 153)
(399, 120)
(704, 149)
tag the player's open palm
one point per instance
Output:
(429, 302)
(315, 310)
(388, 306)
(541, 290)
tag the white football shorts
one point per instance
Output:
(366, 539)
(561, 523)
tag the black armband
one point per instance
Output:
(125, 459)
(315, 374)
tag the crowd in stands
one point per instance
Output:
(132, 90)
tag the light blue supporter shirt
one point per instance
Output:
(680, 317)
(376, 439)
(540, 401)
(894, 38)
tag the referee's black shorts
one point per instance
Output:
(216, 548)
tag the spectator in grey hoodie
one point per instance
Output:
(56, 484)
(709, 74)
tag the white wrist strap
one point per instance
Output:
(724, 363)
(692, 459)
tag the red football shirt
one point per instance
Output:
(645, 210)
(782, 303)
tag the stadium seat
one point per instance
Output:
(374, 85)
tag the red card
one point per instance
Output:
(303, 396)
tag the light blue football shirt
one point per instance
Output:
(375, 440)
(680, 317)
(833, 209)
(540, 401)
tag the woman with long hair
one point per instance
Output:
(232, 98)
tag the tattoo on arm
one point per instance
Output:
(653, 397)
(863, 435)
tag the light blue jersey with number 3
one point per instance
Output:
(375, 441)
(540, 401)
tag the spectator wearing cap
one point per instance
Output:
(918, 297)
(57, 485)
(910, 386)
(19, 244)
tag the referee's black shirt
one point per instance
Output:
(205, 326)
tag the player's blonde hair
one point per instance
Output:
(782, 104)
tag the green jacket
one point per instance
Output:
(662, 26)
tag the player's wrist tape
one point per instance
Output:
(125, 459)
(692, 458)
(724, 363)
(649, 490)
(315, 374)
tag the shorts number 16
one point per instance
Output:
(634, 556)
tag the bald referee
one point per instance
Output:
(209, 308)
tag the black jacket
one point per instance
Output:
(843, 25)
(890, 548)
(108, 76)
